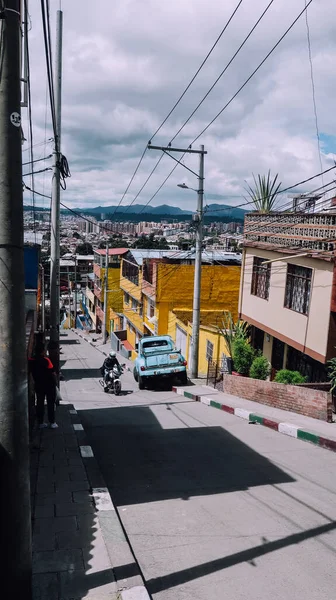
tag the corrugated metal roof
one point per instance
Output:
(207, 257)
(112, 251)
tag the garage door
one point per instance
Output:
(181, 340)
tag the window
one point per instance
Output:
(134, 304)
(126, 298)
(298, 285)
(209, 350)
(130, 271)
(150, 309)
(260, 278)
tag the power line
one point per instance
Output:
(198, 70)
(175, 105)
(280, 191)
(254, 72)
(48, 57)
(37, 160)
(313, 90)
(224, 70)
(242, 86)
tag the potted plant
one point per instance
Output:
(260, 368)
(243, 355)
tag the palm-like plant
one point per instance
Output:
(231, 330)
(265, 192)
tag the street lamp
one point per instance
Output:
(184, 186)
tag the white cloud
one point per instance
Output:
(126, 62)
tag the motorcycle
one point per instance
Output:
(111, 381)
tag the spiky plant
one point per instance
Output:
(265, 192)
(231, 330)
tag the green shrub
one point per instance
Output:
(332, 373)
(260, 368)
(243, 355)
(289, 377)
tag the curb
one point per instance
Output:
(117, 544)
(284, 428)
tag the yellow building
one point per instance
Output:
(158, 287)
(212, 345)
(114, 293)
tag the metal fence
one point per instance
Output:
(216, 370)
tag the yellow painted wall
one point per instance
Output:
(206, 333)
(175, 287)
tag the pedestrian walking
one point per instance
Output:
(44, 376)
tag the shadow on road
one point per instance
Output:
(158, 464)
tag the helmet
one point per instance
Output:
(112, 354)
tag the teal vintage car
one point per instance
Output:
(158, 357)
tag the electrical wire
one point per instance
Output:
(48, 57)
(174, 107)
(198, 70)
(243, 85)
(36, 160)
(224, 70)
(254, 72)
(313, 90)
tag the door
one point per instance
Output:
(278, 350)
(181, 340)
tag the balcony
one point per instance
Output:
(291, 231)
(100, 313)
(97, 292)
(89, 295)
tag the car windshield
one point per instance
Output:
(154, 344)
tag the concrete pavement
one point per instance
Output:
(212, 506)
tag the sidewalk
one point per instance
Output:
(292, 424)
(79, 547)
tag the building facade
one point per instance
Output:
(288, 289)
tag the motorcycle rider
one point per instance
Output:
(109, 362)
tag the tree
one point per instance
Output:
(264, 194)
(114, 243)
(84, 249)
(76, 235)
(149, 243)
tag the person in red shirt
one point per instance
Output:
(44, 376)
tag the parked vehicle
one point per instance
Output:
(111, 381)
(158, 357)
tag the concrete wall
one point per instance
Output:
(307, 333)
(309, 402)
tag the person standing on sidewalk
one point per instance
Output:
(44, 376)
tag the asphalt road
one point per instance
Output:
(213, 507)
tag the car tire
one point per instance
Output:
(135, 374)
(141, 382)
(183, 378)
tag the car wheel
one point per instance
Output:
(184, 378)
(135, 374)
(141, 382)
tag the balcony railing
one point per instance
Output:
(298, 230)
(97, 292)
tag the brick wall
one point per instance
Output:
(301, 400)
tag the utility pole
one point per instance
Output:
(42, 299)
(54, 345)
(198, 219)
(198, 270)
(15, 516)
(105, 294)
(75, 325)
(69, 300)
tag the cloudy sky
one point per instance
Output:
(127, 61)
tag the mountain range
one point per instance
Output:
(212, 210)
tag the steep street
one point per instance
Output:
(213, 507)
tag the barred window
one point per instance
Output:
(209, 350)
(261, 276)
(298, 286)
